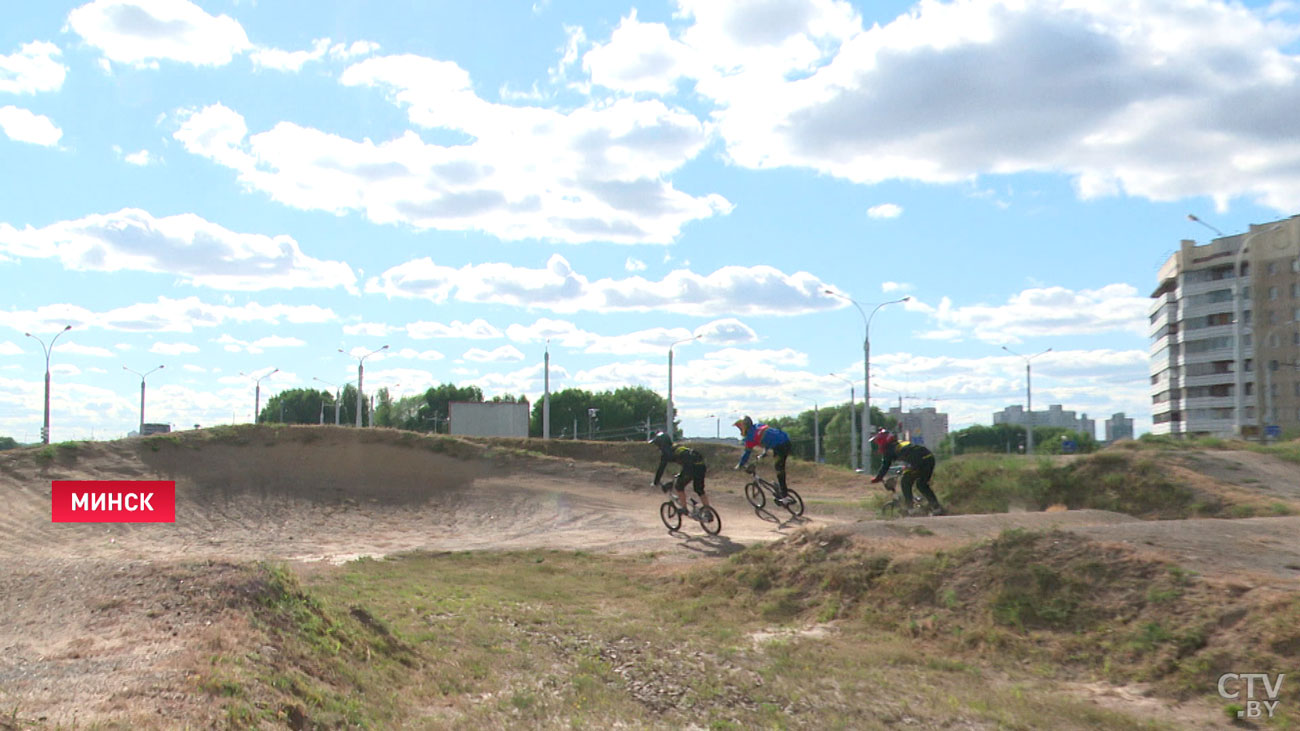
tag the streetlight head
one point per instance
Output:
(340, 350)
(69, 327)
(384, 348)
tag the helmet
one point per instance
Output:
(661, 440)
(744, 424)
(882, 438)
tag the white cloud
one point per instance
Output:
(1127, 97)
(235, 345)
(634, 265)
(89, 350)
(164, 315)
(21, 125)
(638, 57)
(726, 332)
(8, 348)
(140, 158)
(143, 32)
(34, 68)
(199, 251)
(885, 210)
(732, 289)
(369, 329)
(292, 61)
(477, 330)
(1044, 312)
(414, 354)
(596, 173)
(173, 348)
(890, 287)
(503, 354)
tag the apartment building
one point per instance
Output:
(1195, 378)
(926, 426)
(1118, 427)
(1055, 415)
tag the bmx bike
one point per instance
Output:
(671, 512)
(893, 507)
(757, 490)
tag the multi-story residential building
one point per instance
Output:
(1118, 427)
(925, 426)
(1055, 415)
(1195, 379)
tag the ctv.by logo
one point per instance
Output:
(1252, 708)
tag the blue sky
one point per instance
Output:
(233, 185)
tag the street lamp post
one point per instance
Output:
(668, 420)
(142, 377)
(338, 395)
(854, 462)
(257, 392)
(866, 364)
(1029, 399)
(361, 372)
(45, 431)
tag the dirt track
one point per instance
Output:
(65, 588)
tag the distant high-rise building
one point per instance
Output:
(926, 426)
(1055, 415)
(1118, 427)
(1194, 329)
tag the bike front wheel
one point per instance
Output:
(710, 521)
(796, 506)
(669, 515)
(754, 494)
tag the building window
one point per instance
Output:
(1272, 317)
(1295, 287)
(1273, 341)
(1272, 268)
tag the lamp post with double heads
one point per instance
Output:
(257, 392)
(668, 420)
(1029, 399)
(338, 394)
(45, 431)
(361, 373)
(142, 377)
(854, 463)
(866, 365)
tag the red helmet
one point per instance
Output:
(882, 439)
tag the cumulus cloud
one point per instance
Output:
(235, 345)
(144, 32)
(164, 315)
(1042, 312)
(173, 348)
(885, 210)
(596, 173)
(503, 354)
(34, 68)
(733, 289)
(202, 253)
(477, 330)
(634, 265)
(1143, 98)
(22, 125)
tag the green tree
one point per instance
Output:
(8, 443)
(297, 406)
(433, 413)
(619, 415)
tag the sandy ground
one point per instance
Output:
(98, 618)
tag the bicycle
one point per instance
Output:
(893, 507)
(670, 512)
(757, 490)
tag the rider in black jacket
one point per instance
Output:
(693, 468)
(920, 468)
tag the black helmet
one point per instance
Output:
(661, 440)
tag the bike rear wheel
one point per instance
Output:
(796, 507)
(710, 521)
(670, 516)
(889, 510)
(754, 494)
